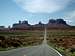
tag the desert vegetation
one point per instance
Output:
(63, 41)
(10, 40)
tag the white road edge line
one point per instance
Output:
(55, 50)
(45, 36)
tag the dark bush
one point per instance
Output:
(2, 37)
(72, 50)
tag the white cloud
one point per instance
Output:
(70, 17)
(42, 6)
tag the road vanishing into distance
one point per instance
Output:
(40, 50)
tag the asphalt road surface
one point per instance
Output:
(40, 50)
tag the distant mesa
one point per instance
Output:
(2, 27)
(39, 25)
(24, 25)
(58, 23)
(21, 25)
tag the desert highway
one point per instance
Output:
(40, 50)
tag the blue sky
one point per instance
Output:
(11, 11)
